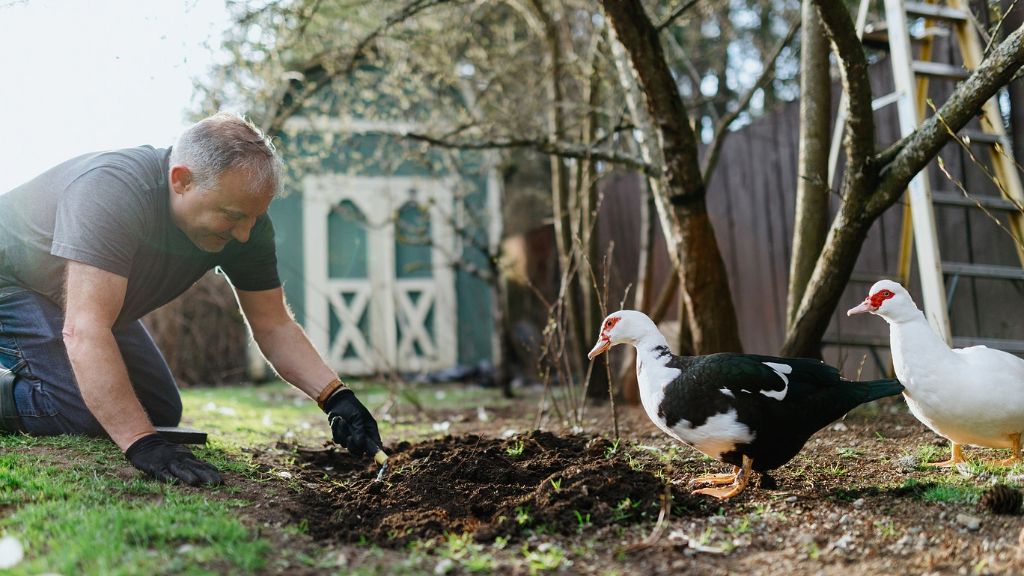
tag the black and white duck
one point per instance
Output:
(754, 412)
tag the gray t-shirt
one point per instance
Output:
(111, 210)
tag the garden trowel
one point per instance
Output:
(382, 460)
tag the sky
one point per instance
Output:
(79, 76)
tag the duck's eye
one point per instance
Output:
(886, 293)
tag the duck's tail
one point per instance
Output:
(875, 389)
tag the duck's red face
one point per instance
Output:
(872, 303)
(604, 341)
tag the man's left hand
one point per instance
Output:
(352, 425)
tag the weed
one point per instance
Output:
(612, 450)
(634, 463)
(516, 449)
(885, 528)
(762, 509)
(741, 526)
(624, 509)
(836, 469)
(464, 551)
(928, 453)
(544, 558)
(556, 484)
(705, 537)
(582, 521)
(813, 552)
(522, 515)
(848, 452)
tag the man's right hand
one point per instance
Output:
(169, 462)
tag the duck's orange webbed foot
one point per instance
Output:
(718, 479)
(739, 483)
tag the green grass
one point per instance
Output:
(938, 488)
(69, 503)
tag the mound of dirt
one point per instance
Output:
(485, 486)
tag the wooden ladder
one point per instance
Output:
(911, 75)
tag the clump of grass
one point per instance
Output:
(516, 449)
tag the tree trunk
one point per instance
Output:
(810, 226)
(709, 306)
(833, 271)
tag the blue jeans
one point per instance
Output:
(45, 391)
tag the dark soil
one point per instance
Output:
(486, 487)
(855, 501)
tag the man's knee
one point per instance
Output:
(166, 412)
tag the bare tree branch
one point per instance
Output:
(318, 72)
(676, 14)
(565, 150)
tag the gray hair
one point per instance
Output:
(223, 142)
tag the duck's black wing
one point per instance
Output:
(782, 400)
(779, 379)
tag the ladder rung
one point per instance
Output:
(940, 70)
(935, 12)
(958, 199)
(1006, 345)
(977, 136)
(983, 271)
(883, 101)
(876, 35)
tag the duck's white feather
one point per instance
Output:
(718, 435)
(970, 396)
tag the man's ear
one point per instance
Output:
(181, 178)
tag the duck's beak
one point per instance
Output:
(602, 345)
(861, 308)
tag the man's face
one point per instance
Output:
(212, 217)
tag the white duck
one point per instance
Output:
(968, 395)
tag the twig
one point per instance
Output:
(675, 15)
(659, 528)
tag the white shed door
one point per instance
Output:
(379, 295)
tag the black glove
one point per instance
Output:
(169, 462)
(351, 424)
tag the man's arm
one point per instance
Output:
(284, 344)
(93, 299)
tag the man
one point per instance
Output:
(90, 246)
